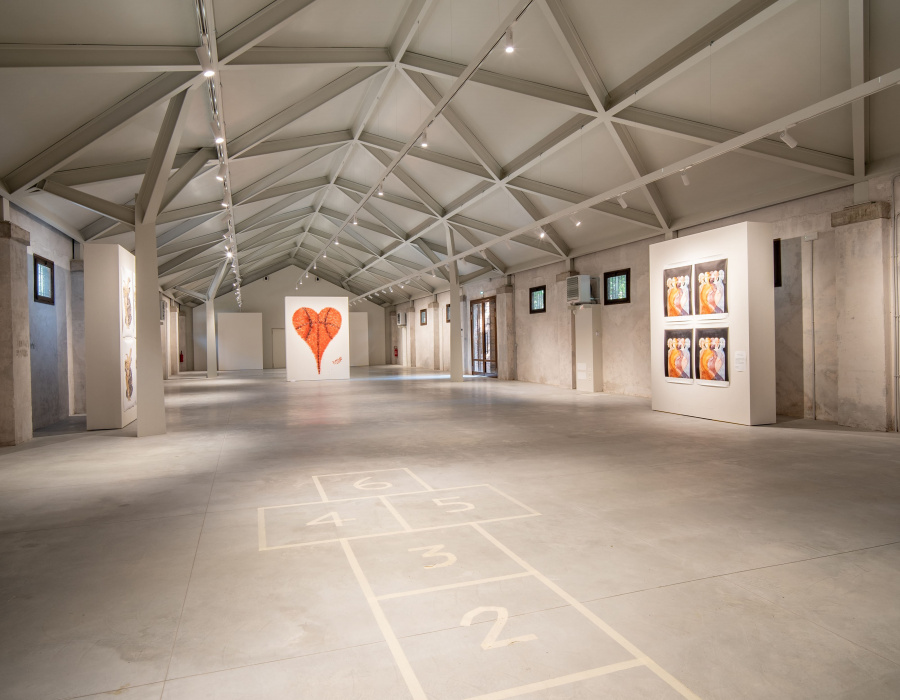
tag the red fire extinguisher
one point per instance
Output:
(395, 351)
(181, 357)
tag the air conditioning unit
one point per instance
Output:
(401, 318)
(581, 289)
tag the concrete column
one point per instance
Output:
(212, 360)
(79, 393)
(456, 327)
(862, 283)
(151, 413)
(506, 333)
(15, 336)
(436, 334)
(566, 329)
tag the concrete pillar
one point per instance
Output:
(506, 333)
(15, 336)
(862, 284)
(435, 308)
(79, 393)
(212, 360)
(456, 327)
(151, 413)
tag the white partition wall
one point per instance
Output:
(712, 325)
(240, 341)
(110, 337)
(317, 338)
(359, 339)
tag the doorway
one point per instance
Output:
(484, 336)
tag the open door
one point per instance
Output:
(484, 336)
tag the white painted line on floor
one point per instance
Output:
(346, 500)
(400, 518)
(562, 680)
(507, 496)
(367, 471)
(415, 688)
(427, 487)
(319, 488)
(399, 532)
(447, 587)
(673, 682)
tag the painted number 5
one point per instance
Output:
(372, 485)
(449, 501)
(491, 641)
(435, 551)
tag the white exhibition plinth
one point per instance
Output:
(317, 338)
(748, 394)
(240, 341)
(110, 337)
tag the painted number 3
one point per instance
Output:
(491, 641)
(435, 551)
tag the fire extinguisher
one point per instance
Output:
(181, 357)
(395, 351)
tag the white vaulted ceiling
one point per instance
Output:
(598, 100)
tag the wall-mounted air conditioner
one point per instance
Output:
(401, 318)
(581, 289)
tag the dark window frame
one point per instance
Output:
(423, 317)
(776, 254)
(531, 292)
(448, 313)
(626, 273)
(43, 262)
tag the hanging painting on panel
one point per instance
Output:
(711, 289)
(128, 369)
(677, 290)
(126, 303)
(678, 364)
(317, 339)
(712, 356)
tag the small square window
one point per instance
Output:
(43, 280)
(423, 317)
(537, 299)
(617, 287)
(448, 313)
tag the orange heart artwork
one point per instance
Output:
(317, 329)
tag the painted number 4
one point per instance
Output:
(331, 518)
(491, 641)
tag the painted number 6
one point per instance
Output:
(491, 641)
(371, 486)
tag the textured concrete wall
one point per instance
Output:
(424, 335)
(76, 332)
(543, 341)
(789, 333)
(15, 360)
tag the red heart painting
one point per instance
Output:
(317, 329)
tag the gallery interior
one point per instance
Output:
(449, 349)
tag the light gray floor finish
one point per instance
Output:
(742, 562)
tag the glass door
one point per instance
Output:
(484, 336)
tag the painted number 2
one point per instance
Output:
(435, 551)
(491, 641)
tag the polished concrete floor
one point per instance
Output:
(398, 536)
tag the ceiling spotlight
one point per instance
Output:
(788, 139)
(325, 254)
(401, 286)
(336, 241)
(423, 139)
(575, 220)
(229, 254)
(220, 139)
(314, 267)
(510, 47)
(392, 290)
(684, 177)
(380, 190)
(225, 203)
(307, 277)
(622, 203)
(355, 222)
(541, 233)
(205, 63)
(221, 172)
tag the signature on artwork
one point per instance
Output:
(337, 361)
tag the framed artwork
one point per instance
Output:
(126, 285)
(679, 367)
(711, 352)
(317, 338)
(617, 287)
(677, 291)
(128, 369)
(711, 288)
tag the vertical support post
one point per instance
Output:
(151, 418)
(456, 358)
(15, 334)
(212, 364)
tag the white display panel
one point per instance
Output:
(240, 341)
(359, 339)
(110, 336)
(712, 325)
(317, 338)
